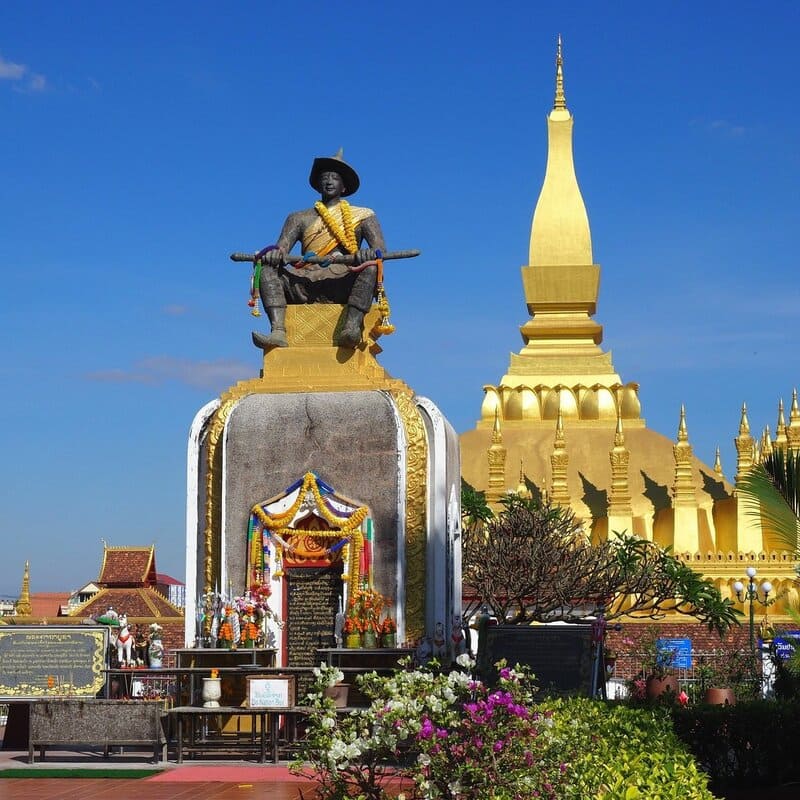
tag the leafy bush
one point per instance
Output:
(618, 752)
(452, 738)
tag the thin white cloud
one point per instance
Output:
(720, 127)
(158, 370)
(175, 310)
(9, 71)
(23, 78)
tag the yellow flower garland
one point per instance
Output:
(346, 237)
(351, 554)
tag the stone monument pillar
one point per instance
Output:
(328, 473)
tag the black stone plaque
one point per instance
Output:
(560, 656)
(312, 600)
(41, 661)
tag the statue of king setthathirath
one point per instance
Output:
(330, 230)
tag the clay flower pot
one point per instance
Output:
(657, 686)
(719, 697)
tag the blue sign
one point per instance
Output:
(678, 651)
(785, 644)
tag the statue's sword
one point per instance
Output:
(333, 258)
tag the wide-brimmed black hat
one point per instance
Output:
(334, 164)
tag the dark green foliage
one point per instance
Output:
(751, 744)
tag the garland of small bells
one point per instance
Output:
(345, 236)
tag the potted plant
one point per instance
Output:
(657, 666)
(388, 632)
(352, 635)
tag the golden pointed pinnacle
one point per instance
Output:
(718, 463)
(683, 433)
(23, 605)
(619, 434)
(497, 432)
(794, 412)
(766, 443)
(560, 438)
(561, 100)
(339, 154)
(744, 423)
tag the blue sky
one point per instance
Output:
(140, 145)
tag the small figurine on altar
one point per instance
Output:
(155, 649)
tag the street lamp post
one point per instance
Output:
(750, 593)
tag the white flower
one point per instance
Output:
(423, 759)
(328, 722)
(465, 660)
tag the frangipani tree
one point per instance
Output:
(533, 563)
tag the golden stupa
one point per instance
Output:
(563, 413)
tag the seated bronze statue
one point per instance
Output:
(332, 227)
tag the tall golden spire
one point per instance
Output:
(684, 493)
(620, 511)
(559, 461)
(718, 464)
(781, 439)
(561, 100)
(793, 431)
(745, 445)
(560, 233)
(496, 456)
(23, 605)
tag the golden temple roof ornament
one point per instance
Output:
(496, 456)
(745, 446)
(559, 461)
(620, 510)
(23, 605)
(718, 464)
(561, 100)
(781, 439)
(684, 493)
(766, 444)
(793, 431)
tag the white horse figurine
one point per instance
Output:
(124, 641)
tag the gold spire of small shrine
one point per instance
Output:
(496, 456)
(559, 461)
(745, 445)
(684, 493)
(23, 604)
(781, 438)
(793, 431)
(718, 464)
(766, 444)
(620, 511)
(683, 489)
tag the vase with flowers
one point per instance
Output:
(388, 632)
(363, 616)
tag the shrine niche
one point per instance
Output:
(318, 546)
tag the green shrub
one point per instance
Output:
(618, 752)
(749, 744)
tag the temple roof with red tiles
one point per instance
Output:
(47, 604)
(135, 602)
(128, 566)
